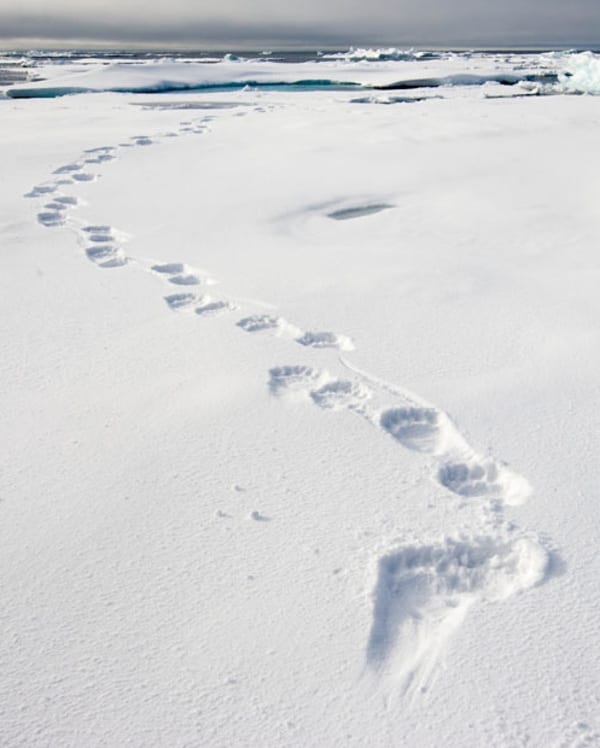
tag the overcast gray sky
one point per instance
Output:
(239, 23)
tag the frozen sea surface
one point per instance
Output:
(61, 74)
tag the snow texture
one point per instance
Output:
(299, 402)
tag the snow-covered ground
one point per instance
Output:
(301, 413)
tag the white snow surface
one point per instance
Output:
(300, 419)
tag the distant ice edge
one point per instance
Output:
(550, 73)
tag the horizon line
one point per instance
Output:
(45, 45)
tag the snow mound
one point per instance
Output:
(582, 74)
(360, 54)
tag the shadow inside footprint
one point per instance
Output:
(339, 394)
(284, 379)
(471, 480)
(51, 218)
(415, 428)
(97, 229)
(169, 268)
(325, 339)
(106, 256)
(187, 279)
(181, 300)
(212, 308)
(100, 238)
(258, 323)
